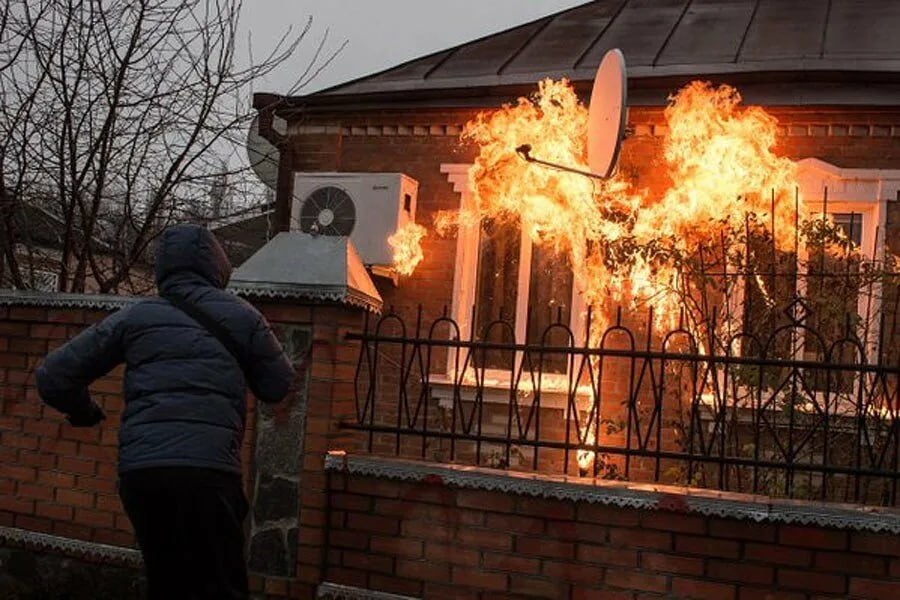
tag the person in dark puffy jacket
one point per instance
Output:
(183, 421)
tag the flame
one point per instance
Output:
(407, 245)
(626, 246)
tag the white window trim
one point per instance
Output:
(465, 278)
(861, 191)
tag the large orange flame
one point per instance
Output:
(623, 243)
(626, 247)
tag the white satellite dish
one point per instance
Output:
(263, 155)
(607, 114)
(607, 120)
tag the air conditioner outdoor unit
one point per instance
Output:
(367, 207)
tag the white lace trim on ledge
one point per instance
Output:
(335, 591)
(625, 494)
(90, 551)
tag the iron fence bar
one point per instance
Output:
(643, 354)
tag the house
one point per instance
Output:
(836, 97)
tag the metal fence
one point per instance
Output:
(780, 377)
(733, 414)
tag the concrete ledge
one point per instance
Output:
(624, 494)
(57, 300)
(335, 591)
(89, 551)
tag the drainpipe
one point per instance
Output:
(266, 105)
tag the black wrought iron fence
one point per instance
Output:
(736, 412)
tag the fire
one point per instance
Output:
(625, 245)
(628, 247)
(407, 245)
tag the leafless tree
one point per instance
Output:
(118, 117)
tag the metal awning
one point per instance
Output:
(300, 266)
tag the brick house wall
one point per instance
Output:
(417, 142)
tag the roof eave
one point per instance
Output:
(806, 88)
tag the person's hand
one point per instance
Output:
(92, 415)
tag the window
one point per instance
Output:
(831, 285)
(44, 281)
(834, 296)
(521, 291)
(509, 290)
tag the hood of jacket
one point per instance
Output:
(188, 252)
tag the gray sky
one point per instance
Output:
(380, 33)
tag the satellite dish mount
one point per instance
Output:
(607, 119)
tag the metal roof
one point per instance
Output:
(663, 39)
(298, 265)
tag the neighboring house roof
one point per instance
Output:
(835, 43)
(245, 232)
(40, 226)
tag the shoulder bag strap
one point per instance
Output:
(219, 331)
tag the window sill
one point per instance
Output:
(496, 390)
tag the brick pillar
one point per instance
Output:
(289, 514)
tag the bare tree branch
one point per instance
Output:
(118, 118)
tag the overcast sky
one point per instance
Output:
(379, 33)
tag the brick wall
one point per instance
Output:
(61, 481)
(55, 478)
(424, 539)
(431, 540)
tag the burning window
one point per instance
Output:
(522, 290)
(820, 302)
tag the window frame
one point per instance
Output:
(835, 190)
(864, 192)
(465, 284)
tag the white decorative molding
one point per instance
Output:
(458, 175)
(847, 185)
(90, 551)
(59, 300)
(624, 494)
(336, 591)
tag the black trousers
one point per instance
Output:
(189, 524)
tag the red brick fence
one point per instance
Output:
(357, 526)
(437, 531)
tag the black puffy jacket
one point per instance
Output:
(184, 391)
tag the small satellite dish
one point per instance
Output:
(607, 114)
(263, 155)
